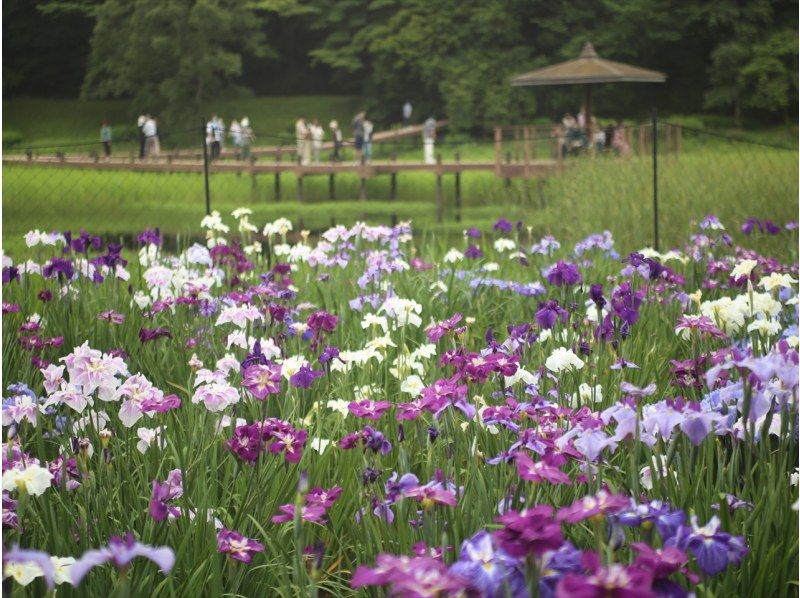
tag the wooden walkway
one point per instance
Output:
(364, 171)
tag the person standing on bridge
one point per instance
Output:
(317, 134)
(358, 134)
(429, 139)
(214, 135)
(235, 133)
(368, 129)
(302, 135)
(407, 110)
(105, 138)
(140, 125)
(336, 132)
(247, 137)
(152, 148)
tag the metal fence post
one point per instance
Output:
(655, 178)
(205, 164)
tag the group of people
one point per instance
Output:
(574, 134)
(310, 135)
(149, 146)
(240, 133)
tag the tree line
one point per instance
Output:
(450, 58)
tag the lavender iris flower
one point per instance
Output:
(490, 570)
(120, 552)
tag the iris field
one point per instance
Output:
(370, 411)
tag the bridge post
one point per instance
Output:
(299, 174)
(458, 189)
(362, 187)
(278, 175)
(393, 179)
(439, 190)
(498, 149)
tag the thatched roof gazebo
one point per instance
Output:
(588, 69)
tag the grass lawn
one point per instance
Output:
(593, 194)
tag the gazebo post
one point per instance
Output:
(588, 116)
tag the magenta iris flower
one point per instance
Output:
(120, 552)
(410, 576)
(262, 380)
(614, 581)
(160, 404)
(369, 409)
(531, 531)
(429, 496)
(539, 471)
(236, 546)
(150, 334)
(601, 504)
(317, 502)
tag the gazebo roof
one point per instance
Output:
(588, 68)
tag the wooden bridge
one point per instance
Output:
(520, 152)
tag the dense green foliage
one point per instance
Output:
(449, 58)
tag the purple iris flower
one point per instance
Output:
(305, 377)
(247, 442)
(150, 334)
(567, 559)
(236, 546)
(120, 552)
(328, 353)
(713, 550)
(164, 492)
(503, 226)
(489, 569)
(149, 236)
(10, 273)
(596, 295)
(549, 313)
(473, 233)
(59, 268)
(564, 274)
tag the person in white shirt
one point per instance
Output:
(337, 140)
(407, 109)
(247, 137)
(429, 139)
(152, 148)
(235, 133)
(301, 133)
(317, 135)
